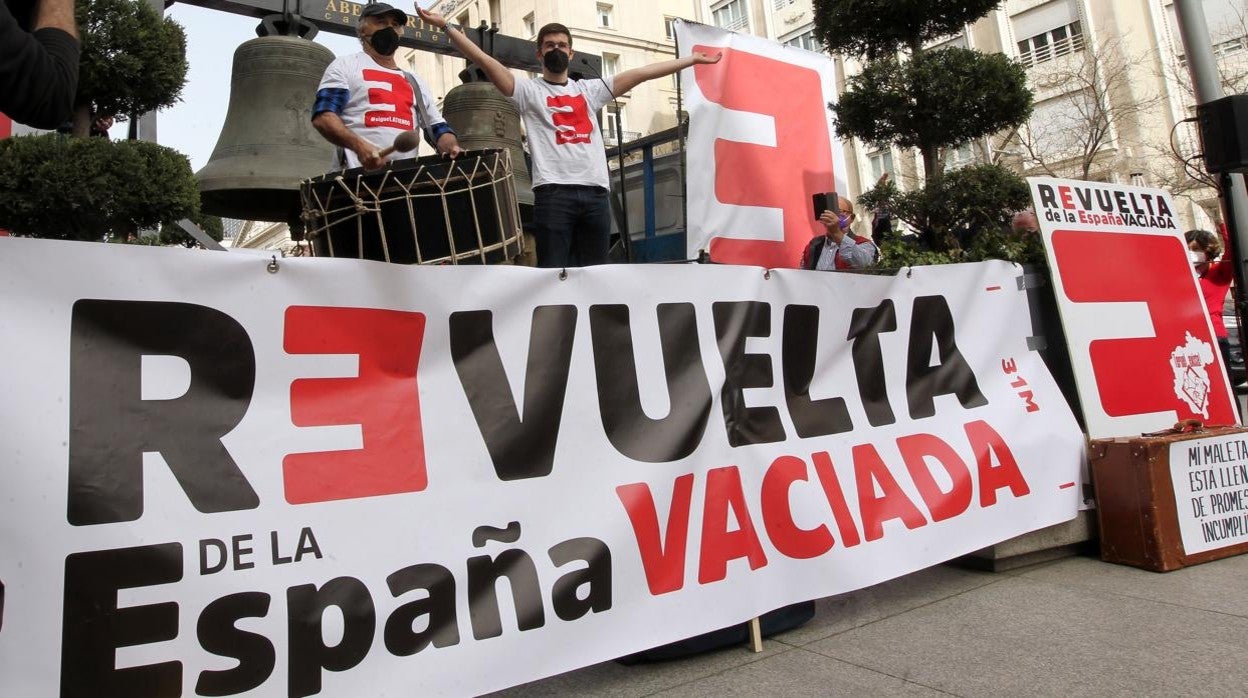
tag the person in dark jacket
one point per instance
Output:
(38, 61)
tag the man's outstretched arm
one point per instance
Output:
(495, 71)
(629, 79)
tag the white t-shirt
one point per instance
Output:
(561, 123)
(381, 106)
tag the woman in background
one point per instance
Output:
(1215, 274)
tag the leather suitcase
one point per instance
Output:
(1139, 516)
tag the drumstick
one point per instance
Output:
(404, 142)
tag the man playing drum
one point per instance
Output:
(365, 100)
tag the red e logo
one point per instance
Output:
(1138, 372)
(382, 399)
(570, 114)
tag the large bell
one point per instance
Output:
(483, 118)
(267, 145)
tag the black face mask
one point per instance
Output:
(556, 61)
(385, 41)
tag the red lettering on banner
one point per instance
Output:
(789, 538)
(917, 451)
(1067, 200)
(890, 503)
(985, 443)
(399, 97)
(570, 114)
(664, 564)
(783, 176)
(719, 545)
(836, 499)
(1134, 375)
(383, 400)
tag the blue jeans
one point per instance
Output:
(572, 224)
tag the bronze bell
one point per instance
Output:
(483, 118)
(268, 145)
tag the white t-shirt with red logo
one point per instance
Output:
(561, 124)
(382, 103)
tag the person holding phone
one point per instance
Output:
(839, 247)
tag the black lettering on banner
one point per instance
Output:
(223, 556)
(735, 322)
(218, 635)
(798, 356)
(631, 431)
(519, 447)
(402, 638)
(526, 595)
(308, 654)
(1048, 198)
(865, 327)
(111, 426)
(93, 627)
(595, 576)
(931, 319)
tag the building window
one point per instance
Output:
(804, 40)
(960, 156)
(611, 123)
(1051, 44)
(604, 16)
(669, 28)
(731, 16)
(881, 161)
(610, 64)
(530, 25)
(781, 4)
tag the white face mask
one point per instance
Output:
(1197, 256)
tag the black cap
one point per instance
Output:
(381, 9)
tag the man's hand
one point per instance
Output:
(369, 155)
(700, 58)
(833, 225)
(431, 18)
(448, 145)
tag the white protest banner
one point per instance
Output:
(1140, 340)
(1210, 478)
(761, 143)
(354, 478)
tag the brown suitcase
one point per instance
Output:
(1136, 505)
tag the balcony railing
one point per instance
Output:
(735, 25)
(610, 138)
(1060, 47)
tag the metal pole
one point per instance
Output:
(1207, 87)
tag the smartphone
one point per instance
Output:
(824, 201)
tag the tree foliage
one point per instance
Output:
(92, 188)
(934, 100)
(912, 95)
(965, 215)
(878, 28)
(133, 61)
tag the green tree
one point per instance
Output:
(64, 188)
(930, 99)
(133, 61)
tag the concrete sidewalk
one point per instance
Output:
(1076, 626)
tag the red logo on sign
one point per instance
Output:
(382, 400)
(399, 98)
(571, 116)
(781, 176)
(1134, 375)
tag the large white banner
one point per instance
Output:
(761, 143)
(353, 478)
(1141, 344)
